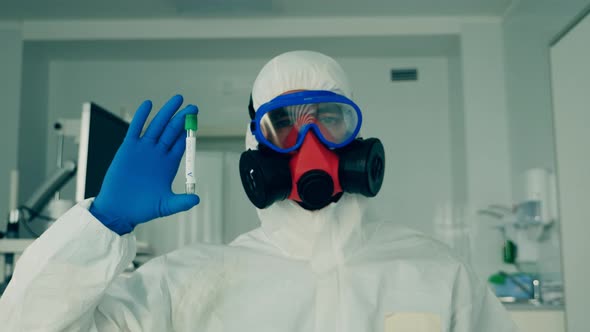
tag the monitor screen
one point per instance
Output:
(101, 134)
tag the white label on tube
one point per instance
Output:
(190, 160)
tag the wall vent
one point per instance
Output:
(408, 74)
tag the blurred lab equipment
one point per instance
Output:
(99, 134)
(24, 214)
(39, 211)
(516, 287)
(524, 227)
(541, 187)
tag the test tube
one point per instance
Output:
(190, 124)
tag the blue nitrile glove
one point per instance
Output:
(138, 184)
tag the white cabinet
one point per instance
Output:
(570, 73)
(539, 321)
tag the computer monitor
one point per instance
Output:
(101, 134)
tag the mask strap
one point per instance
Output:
(252, 113)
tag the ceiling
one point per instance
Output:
(55, 9)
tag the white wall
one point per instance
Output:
(10, 78)
(570, 69)
(412, 119)
(486, 138)
(32, 155)
(457, 122)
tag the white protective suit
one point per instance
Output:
(328, 270)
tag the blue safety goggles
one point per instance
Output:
(283, 122)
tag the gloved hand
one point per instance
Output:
(138, 184)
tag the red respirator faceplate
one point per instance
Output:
(313, 155)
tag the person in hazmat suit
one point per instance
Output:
(316, 263)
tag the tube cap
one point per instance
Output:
(191, 122)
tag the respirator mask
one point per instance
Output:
(308, 151)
